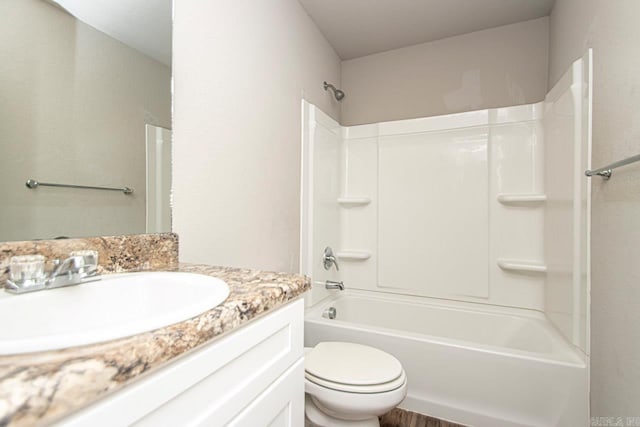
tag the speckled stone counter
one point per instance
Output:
(40, 388)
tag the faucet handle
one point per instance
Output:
(85, 261)
(329, 259)
(26, 274)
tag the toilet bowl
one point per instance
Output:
(349, 384)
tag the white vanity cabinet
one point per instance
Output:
(254, 376)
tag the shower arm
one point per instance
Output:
(329, 85)
(337, 93)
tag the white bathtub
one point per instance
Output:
(478, 366)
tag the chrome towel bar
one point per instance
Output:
(606, 171)
(32, 183)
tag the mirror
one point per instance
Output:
(85, 100)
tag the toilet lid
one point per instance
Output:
(352, 364)
(361, 389)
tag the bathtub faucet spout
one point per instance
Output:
(330, 284)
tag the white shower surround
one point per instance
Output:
(487, 207)
(433, 224)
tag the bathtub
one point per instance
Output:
(472, 364)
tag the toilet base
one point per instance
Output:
(314, 417)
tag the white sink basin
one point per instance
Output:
(119, 305)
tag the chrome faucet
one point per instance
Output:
(74, 270)
(330, 284)
(80, 267)
(329, 259)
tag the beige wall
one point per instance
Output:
(498, 67)
(241, 69)
(73, 108)
(611, 28)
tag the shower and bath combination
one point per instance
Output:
(336, 92)
(380, 219)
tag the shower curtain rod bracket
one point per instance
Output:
(606, 171)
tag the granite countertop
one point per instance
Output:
(40, 388)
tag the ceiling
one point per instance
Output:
(358, 28)
(144, 25)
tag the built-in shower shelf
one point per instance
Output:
(521, 198)
(354, 255)
(521, 265)
(354, 201)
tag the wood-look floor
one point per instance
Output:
(401, 418)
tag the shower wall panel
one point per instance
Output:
(359, 207)
(516, 207)
(321, 180)
(567, 128)
(433, 213)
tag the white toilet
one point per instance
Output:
(350, 385)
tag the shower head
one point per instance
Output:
(336, 92)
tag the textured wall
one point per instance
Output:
(241, 69)
(612, 29)
(498, 67)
